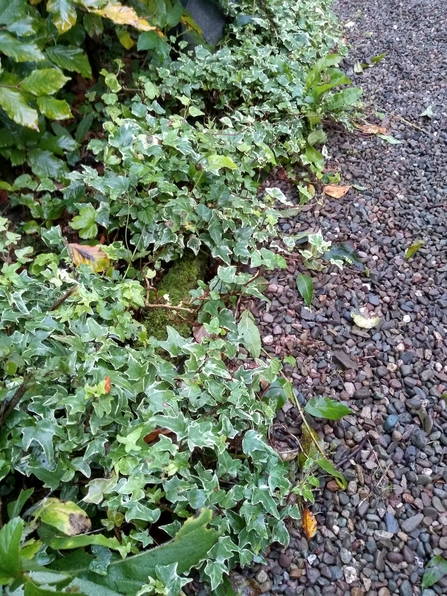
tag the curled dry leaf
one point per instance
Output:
(107, 384)
(332, 190)
(154, 434)
(309, 523)
(371, 129)
(283, 442)
(93, 256)
(199, 332)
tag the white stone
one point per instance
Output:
(351, 574)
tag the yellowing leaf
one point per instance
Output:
(371, 129)
(123, 15)
(92, 256)
(309, 523)
(332, 190)
(365, 322)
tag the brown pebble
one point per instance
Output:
(357, 592)
(332, 486)
(285, 560)
(395, 558)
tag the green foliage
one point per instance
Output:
(305, 287)
(323, 407)
(436, 569)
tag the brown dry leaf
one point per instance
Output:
(199, 332)
(93, 256)
(332, 190)
(371, 129)
(309, 523)
(154, 434)
(107, 384)
(123, 15)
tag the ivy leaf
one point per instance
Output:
(85, 222)
(305, 287)
(10, 537)
(412, 250)
(249, 332)
(64, 14)
(18, 50)
(55, 109)
(70, 58)
(215, 162)
(323, 407)
(44, 82)
(436, 569)
(15, 105)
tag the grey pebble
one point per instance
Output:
(410, 524)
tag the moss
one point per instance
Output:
(181, 277)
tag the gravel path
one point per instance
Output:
(375, 538)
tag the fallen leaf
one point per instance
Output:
(332, 190)
(309, 523)
(199, 332)
(371, 129)
(390, 139)
(365, 322)
(154, 434)
(428, 112)
(93, 256)
(412, 250)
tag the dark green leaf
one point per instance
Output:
(70, 58)
(323, 407)
(249, 333)
(45, 165)
(305, 287)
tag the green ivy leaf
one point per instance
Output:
(323, 407)
(215, 162)
(70, 58)
(15, 105)
(19, 51)
(44, 82)
(249, 332)
(305, 287)
(85, 222)
(64, 14)
(55, 109)
(436, 569)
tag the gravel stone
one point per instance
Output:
(410, 524)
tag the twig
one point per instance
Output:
(170, 306)
(353, 453)
(408, 123)
(64, 298)
(6, 410)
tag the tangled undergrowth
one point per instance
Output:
(110, 438)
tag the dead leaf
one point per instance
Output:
(283, 442)
(365, 322)
(123, 15)
(309, 523)
(371, 129)
(93, 256)
(154, 434)
(332, 190)
(107, 384)
(199, 332)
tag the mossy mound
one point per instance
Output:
(182, 276)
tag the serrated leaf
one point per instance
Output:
(335, 191)
(92, 256)
(249, 333)
(64, 14)
(70, 58)
(44, 82)
(10, 537)
(365, 322)
(54, 109)
(15, 105)
(412, 250)
(19, 51)
(121, 15)
(305, 287)
(329, 467)
(309, 523)
(323, 407)
(435, 569)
